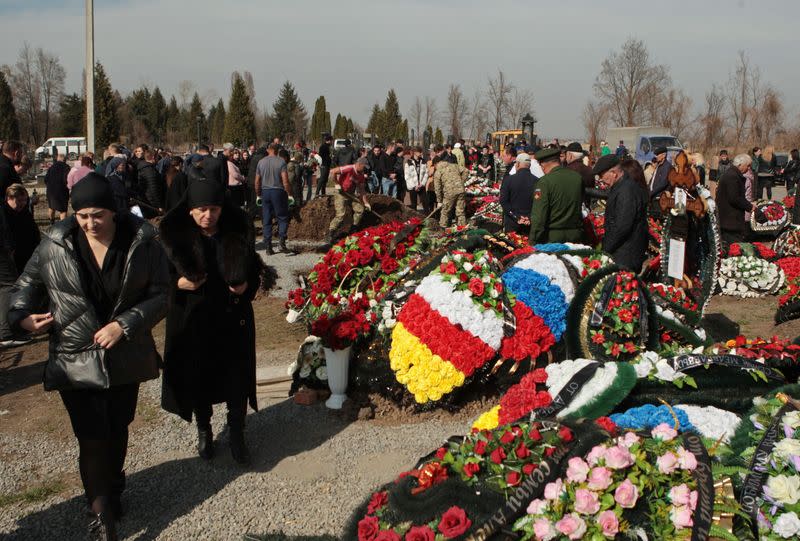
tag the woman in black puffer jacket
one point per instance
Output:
(98, 282)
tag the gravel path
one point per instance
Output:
(310, 467)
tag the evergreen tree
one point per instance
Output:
(320, 120)
(139, 105)
(392, 121)
(157, 116)
(216, 122)
(340, 127)
(403, 132)
(106, 105)
(195, 122)
(9, 125)
(73, 116)
(240, 120)
(438, 138)
(427, 136)
(374, 124)
(172, 117)
(350, 129)
(286, 109)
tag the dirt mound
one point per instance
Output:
(311, 221)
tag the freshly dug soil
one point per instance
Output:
(311, 221)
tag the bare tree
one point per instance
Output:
(51, 82)
(625, 79)
(770, 113)
(594, 119)
(456, 110)
(247, 77)
(712, 122)
(670, 107)
(519, 104)
(186, 90)
(415, 116)
(738, 90)
(498, 94)
(431, 111)
(27, 90)
(479, 118)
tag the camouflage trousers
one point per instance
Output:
(452, 201)
(340, 205)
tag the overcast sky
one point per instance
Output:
(354, 51)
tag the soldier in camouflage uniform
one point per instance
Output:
(448, 181)
(295, 170)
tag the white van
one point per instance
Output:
(72, 147)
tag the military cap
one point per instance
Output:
(574, 147)
(547, 154)
(604, 164)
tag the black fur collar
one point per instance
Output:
(183, 243)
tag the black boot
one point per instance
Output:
(115, 500)
(205, 442)
(270, 251)
(282, 246)
(238, 448)
(102, 527)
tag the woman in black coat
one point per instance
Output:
(209, 353)
(23, 227)
(98, 282)
(57, 191)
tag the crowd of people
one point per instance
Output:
(99, 279)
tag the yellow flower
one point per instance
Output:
(488, 420)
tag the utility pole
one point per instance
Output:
(89, 68)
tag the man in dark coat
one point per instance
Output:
(516, 197)
(660, 180)
(346, 155)
(216, 169)
(11, 156)
(625, 239)
(325, 167)
(151, 185)
(731, 201)
(57, 191)
(210, 354)
(575, 163)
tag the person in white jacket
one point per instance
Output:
(416, 175)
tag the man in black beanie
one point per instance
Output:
(210, 350)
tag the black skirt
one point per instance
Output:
(99, 414)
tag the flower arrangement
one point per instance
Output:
(774, 349)
(773, 212)
(309, 368)
(788, 242)
(790, 267)
(756, 249)
(486, 209)
(452, 524)
(597, 222)
(778, 505)
(746, 276)
(675, 298)
(344, 328)
(648, 417)
(588, 264)
(479, 186)
(788, 202)
(601, 488)
(519, 400)
(618, 337)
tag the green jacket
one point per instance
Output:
(449, 179)
(556, 212)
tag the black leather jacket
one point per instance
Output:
(52, 283)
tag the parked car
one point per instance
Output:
(72, 147)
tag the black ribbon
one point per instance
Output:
(752, 487)
(565, 397)
(683, 363)
(704, 477)
(602, 302)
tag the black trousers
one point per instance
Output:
(322, 181)
(765, 183)
(100, 420)
(237, 408)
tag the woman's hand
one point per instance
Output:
(108, 336)
(188, 285)
(37, 323)
(238, 290)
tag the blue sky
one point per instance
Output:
(354, 51)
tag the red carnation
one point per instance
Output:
(440, 453)
(565, 434)
(513, 478)
(454, 523)
(420, 533)
(463, 277)
(498, 455)
(450, 268)
(378, 500)
(368, 529)
(507, 437)
(522, 451)
(615, 351)
(607, 424)
(625, 316)
(598, 338)
(471, 469)
(534, 435)
(480, 447)
(476, 286)
(549, 451)
(528, 469)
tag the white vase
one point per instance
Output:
(338, 364)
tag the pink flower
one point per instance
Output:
(552, 491)
(686, 459)
(543, 530)
(667, 463)
(609, 523)
(618, 458)
(626, 494)
(693, 500)
(681, 517)
(679, 495)
(586, 502)
(628, 440)
(664, 432)
(599, 478)
(572, 526)
(577, 470)
(596, 454)
(537, 507)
